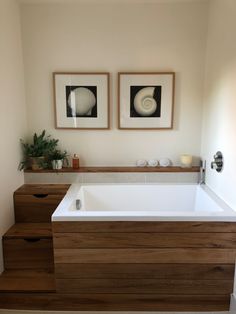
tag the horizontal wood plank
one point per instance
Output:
(204, 256)
(32, 273)
(114, 302)
(29, 230)
(27, 281)
(118, 169)
(151, 239)
(159, 271)
(143, 226)
(145, 286)
(50, 189)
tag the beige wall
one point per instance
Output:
(219, 132)
(117, 37)
(12, 108)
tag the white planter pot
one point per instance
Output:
(57, 164)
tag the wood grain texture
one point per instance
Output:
(145, 258)
(135, 271)
(113, 302)
(145, 240)
(30, 209)
(25, 254)
(145, 286)
(178, 255)
(118, 169)
(29, 230)
(50, 189)
(142, 226)
(31, 273)
(26, 281)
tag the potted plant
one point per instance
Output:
(36, 153)
(57, 157)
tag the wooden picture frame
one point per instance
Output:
(81, 100)
(146, 100)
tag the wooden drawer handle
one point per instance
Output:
(40, 195)
(32, 240)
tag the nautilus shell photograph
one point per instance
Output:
(145, 101)
(81, 101)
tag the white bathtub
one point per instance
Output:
(149, 202)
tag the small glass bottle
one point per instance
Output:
(75, 161)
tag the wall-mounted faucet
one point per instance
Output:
(218, 162)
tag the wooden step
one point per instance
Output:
(27, 281)
(37, 202)
(28, 246)
(49, 189)
(29, 230)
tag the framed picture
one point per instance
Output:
(81, 100)
(146, 100)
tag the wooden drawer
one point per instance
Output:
(28, 253)
(37, 202)
(36, 207)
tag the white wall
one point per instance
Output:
(12, 109)
(117, 37)
(219, 131)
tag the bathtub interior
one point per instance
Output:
(137, 198)
(146, 199)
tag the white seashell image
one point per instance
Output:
(141, 163)
(81, 101)
(153, 163)
(144, 103)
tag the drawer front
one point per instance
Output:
(28, 253)
(35, 208)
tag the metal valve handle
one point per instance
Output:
(218, 163)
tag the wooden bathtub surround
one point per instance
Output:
(112, 266)
(146, 265)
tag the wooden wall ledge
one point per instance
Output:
(117, 169)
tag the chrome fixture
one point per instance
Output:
(203, 172)
(217, 164)
(78, 204)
